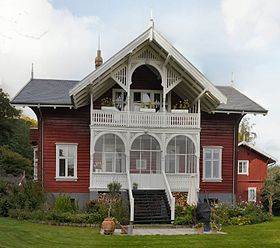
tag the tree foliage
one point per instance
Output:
(6, 110)
(246, 131)
(15, 148)
(271, 190)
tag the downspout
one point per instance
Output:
(42, 146)
(235, 156)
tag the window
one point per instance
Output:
(66, 161)
(180, 156)
(145, 155)
(109, 154)
(35, 163)
(212, 164)
(119, 99)
(243, 167)
(252, 194)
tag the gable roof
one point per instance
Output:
(45, 92)
(271, 159)
(238, 102)
(50, 92)
(80, 92)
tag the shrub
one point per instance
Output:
(12, 163)
(240, 214)
(63, 204)
(183, 215)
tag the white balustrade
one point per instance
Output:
(170, 197)
(181, 182)
(100, 180)
(145, 120)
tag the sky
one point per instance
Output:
(218, 36)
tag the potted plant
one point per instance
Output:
(108, 225)
(200, 227)
(135, 186)
(182, 107)
(107, 104)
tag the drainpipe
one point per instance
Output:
(42, 146)
(235, 156)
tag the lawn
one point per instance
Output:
(18, 234)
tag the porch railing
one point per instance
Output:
(142, 119)
(131, 198)
(170, 197)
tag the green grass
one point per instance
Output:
(19, 234)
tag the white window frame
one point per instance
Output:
(66, 178)
(212, 149)
(35, 163)
(246, 163)
(255, 192)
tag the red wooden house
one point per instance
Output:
(252, 171)
(141, 139)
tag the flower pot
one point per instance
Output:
(179, 111)
(200, 229)
(108, 226)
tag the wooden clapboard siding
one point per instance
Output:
(67, 126)
(257, 173)
(218, 130)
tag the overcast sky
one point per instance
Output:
(218, 37)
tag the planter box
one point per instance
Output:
(147, 110)
(107, 108)
(179, 111)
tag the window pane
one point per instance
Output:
(62, 167)
(181, 144)
(137, 97)
(71, 151)
(109, 162)
(208, 154)
(119, 145)
(216, 169)
(170, 164)
(71, 167)
(240, 167)
(109, 145)
(208, 169)
(216, 155)
(145, 142)
(62, 151)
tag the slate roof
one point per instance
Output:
(238, 102)
(45, 92)
(56, 92)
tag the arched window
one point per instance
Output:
(145, 155)
(109, 154)
(180, 155)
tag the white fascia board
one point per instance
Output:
(107, 65)
(189, 67)
(42, 105)
(258, 150)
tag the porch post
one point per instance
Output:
(91, 141)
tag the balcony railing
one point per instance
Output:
(145, 120)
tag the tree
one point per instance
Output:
(14, 136)
(6, 110)
(271, 189)
(246, 131)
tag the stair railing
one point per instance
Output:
(131, 198)
(170, 197)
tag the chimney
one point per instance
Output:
(98, 59)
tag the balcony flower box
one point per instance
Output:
(179, 111)
(148, 110)
(109, 108)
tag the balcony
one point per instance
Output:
(145, 120)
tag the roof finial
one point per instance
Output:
(98, 59)
(32, 71)
(232, 80)
(152, 24)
